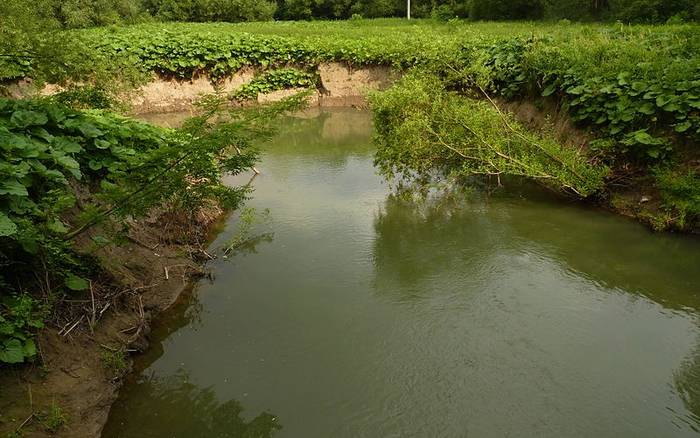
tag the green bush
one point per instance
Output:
(444, 13)
(274, 80)
(680, 191)
(653, 11)
(212, 10)
(427, 133)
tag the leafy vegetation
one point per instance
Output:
(20, 316)
(211, 10)
(54, 418)
(47, 150)
(426, 132)
(273, 80)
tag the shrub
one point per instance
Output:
(652, 11)
(680, 191)
(443, 13)
(427, 132)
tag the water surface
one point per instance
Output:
(357, 314)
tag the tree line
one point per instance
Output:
(87, 13)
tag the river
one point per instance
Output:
(355, 313)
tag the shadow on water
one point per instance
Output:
(421, 238)
(180, 408)
(459, 226)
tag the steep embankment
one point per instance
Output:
(84, 356)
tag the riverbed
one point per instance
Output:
(352, 312)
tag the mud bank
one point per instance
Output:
(340, 86)
(81, 367)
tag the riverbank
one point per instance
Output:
(82, 362)
(73, 386)
(106, 225)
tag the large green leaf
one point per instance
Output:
(29, 349)
(66, 145)
(13, 187)
(7, 227)
(73, 282)
(25, 118)
(11, 351)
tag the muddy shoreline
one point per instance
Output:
(81, 368)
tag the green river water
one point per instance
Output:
(356, 314)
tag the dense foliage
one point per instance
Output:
(211, 10)
(429, 133)
(88, 13)
(274, 80)
(48, 150)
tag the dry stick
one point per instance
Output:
(105, 308)
(211, 257)
(73, 326)
(107, 347)
(257, 172)
(138, 242)
(24, 423)
(93, 321)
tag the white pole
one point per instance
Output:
(408, 9)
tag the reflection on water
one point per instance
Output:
(687, 383)
(180, 408)
(465, 314)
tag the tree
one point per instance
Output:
(506, 9)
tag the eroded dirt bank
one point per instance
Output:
(340, 86)
(81, 367)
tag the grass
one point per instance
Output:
(115, 362)
(54, 419)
